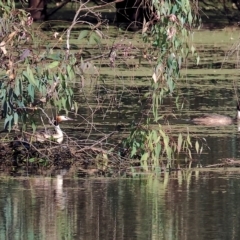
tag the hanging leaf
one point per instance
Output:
(180, 140)
(169, 153)
(31, 90)
(198, 60)
(83, 34)
(188, 140)
(15, 117)
(31, 160)
(94, 38)
(8, 122)
(144, 161)
(17, 87)
(34, 127)
(197, 146)
(30, 76)
(134, 150)
(157, 150)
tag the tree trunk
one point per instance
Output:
(37, 9)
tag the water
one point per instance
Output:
(188, 205)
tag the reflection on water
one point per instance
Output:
(188, 205)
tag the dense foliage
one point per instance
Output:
(169, 40)
(44, 78)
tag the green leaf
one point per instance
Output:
(8, 122)
(55, 56)
(29, 76)
(83, 34)
(197, 146)
(190, 18)
(94, 38)
(70, 72)
(189, 140)
(53, 65)
(41, 160)
(166, 142)
(180, 140)
(144, 161)
(189, 153)
(145, 156)
(158, 150)
(31, 89)
(34, 127)
(64, 103)
(17, 87)
(15, 117)
(31, 160)
(169, 153)
(75, 104)
(193, 49)
(134, 150)
(198, 60)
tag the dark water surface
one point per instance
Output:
(188, 205)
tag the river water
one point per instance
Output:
(189, 205)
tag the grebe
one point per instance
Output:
(41, 136)
(217, 119)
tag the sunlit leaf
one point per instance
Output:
(144, 160)
(198, 60)
(201, 149)
(15, 117)
(180, 140)
(188, 140)
(193, 49)
(31, 160)
(197, 146)
(190, 153)
(3, 47)
(154, 77)
(190, 17)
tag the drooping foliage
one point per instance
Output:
(168, 37)
(44, 78)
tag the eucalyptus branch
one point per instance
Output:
(83, 7)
